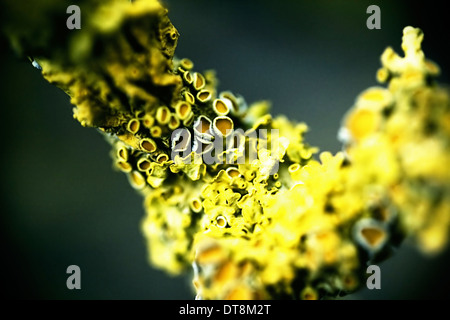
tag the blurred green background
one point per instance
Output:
(63, 204)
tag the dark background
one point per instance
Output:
(63, 204)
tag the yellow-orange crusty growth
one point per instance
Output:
(283, 224)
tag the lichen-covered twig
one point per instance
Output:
(262, 217)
